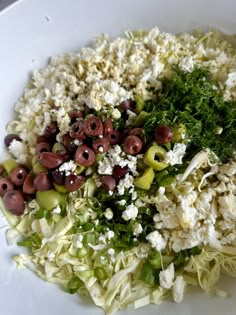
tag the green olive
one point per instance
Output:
(34, 160)
(38, 168)
(153, 156)
(139, 103)
(49, 199)
(144, 181)
(9, 165)
(140, 119)
(58, 148)
(60, 188)
(79, 169)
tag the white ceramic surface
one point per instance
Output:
(30, 32)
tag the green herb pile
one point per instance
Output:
(191, 99)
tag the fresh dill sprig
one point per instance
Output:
(190, 98)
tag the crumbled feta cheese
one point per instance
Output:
(68, 167)
(166, 277)
(110, 234)
(130, 212)
(178, 289)
(102, 238)
(126, 182)
(116, 114)
(176, 155)
(111, 252)
(19, 150)
(138, 229)
(105, 167)
(131, 117)
(114, 157)
(156, 240)
(228, 206)
(186, 64)
(122, 202)
(108, 214)
(231, 81)
(57, 210)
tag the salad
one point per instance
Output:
(121, 174)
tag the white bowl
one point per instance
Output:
(32, 31)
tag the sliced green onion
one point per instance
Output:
(74, 285)
(88, 227)
(166, 181)
(82, 252)
(33, 241)
(147, 274)
(100, 273)
(42, 213)
(154, 259)
(89, 238)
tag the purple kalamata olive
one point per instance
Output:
(42, 138)
(42, 182)
(74, 182)
(163, 134)
(5, 185)
(9, 138)
(58, 177)
(101, 145)
(114, 137)
(127, 105)
(28, 186)
(18, 175)
(51, 160)
(132, 145)
(77, 130)
(13, 201)
(107, 126)
(68, 142)
(108, 183)
(137, 132)
(42, 147)
(51, 130)
(75, 115)
(85, 156)
(120, 172)
(93, 126)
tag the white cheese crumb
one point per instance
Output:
(108, 214)
(116, 114)
(110, 234)
(166, 277)
(156, 240)
(126, 182)
(111, 251)
(121, 202)
(68, 167)
(130, 212)
(187, 64)
(176, 155)
(18, 150)
(57, 210)
(178, 289)
(138, 229)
